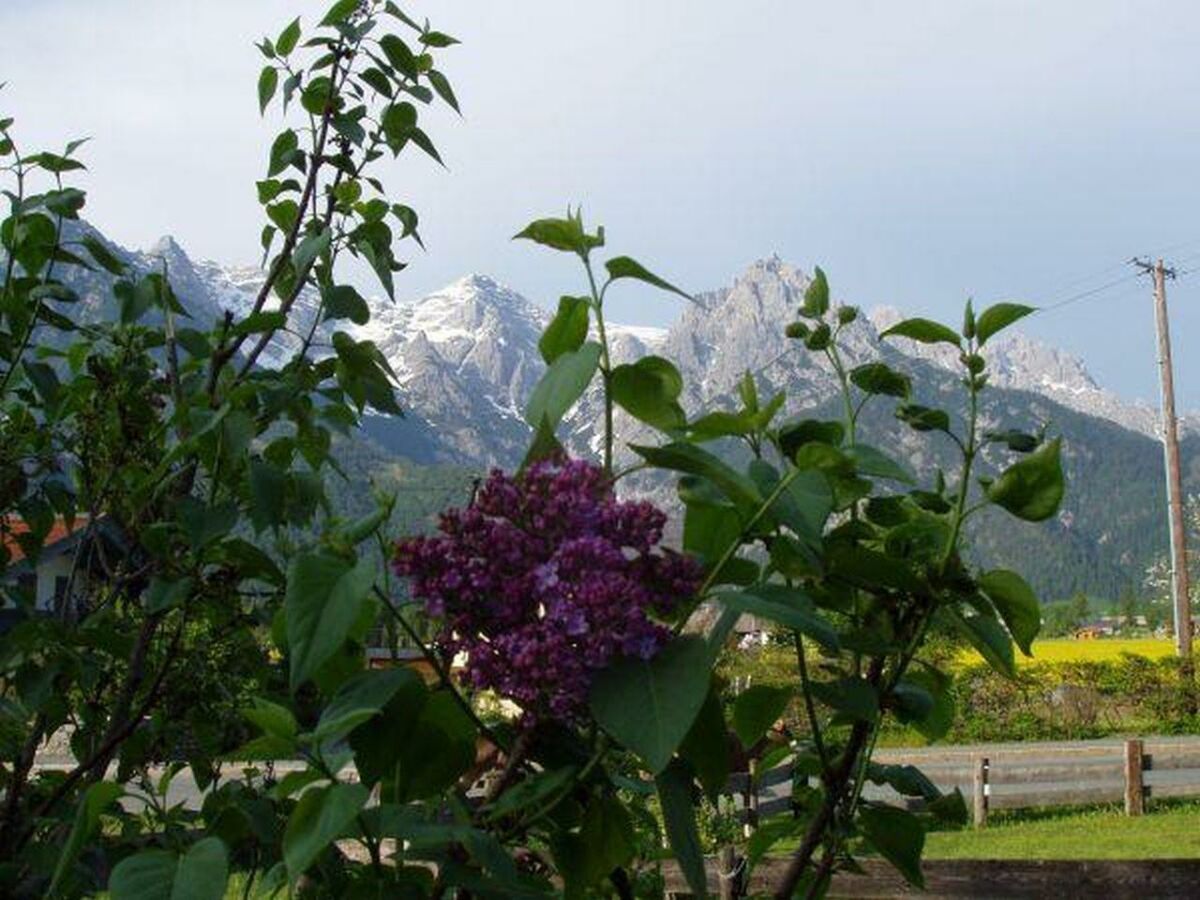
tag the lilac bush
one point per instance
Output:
(544, 579)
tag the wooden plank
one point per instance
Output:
(1167, 760)
(1067, 770)
(772, 777)
(1134, 799)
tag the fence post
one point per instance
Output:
(979, 791)
(751, 798)
(1135, 793)
(727, 874)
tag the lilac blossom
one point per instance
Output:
(546, 578)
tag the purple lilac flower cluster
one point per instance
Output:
(544, 579)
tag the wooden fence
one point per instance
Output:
(1013, 776)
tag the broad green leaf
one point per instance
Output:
(625, 267)
(923, 418)
(998, 317)
(649, 705)
(898, 836)
(200, 874)
(679, 818)
(286, 42)
(313, 246)
(566, 234)
(684, 457)
(324, 597)
(271, 718)
(258, 322)
(562, 384)
(756, 709)
(924, 330)
(608, 836)
(359, 700)
(991, 640)
(319, 818)
(344, 302)
(1016, 603)
(706, 746)
(95, 800)
(649, 391)
(567, 330)
(851, 696)
(1032, 488)
(816, 295)
(879, 378)
(442, 85)
(268, 82)
(721, 424)
(340, 11)
(877, 464)
(785, 606)
(803, 505)
(163, 594)
(938, 721)
(101, 254)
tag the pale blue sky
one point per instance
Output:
(919, 151)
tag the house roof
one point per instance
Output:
(12, 526)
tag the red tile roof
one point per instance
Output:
(11, 526)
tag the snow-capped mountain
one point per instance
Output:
(466, 356)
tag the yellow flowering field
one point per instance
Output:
(1094, 650)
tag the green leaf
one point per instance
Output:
(940, 718)
(756, 709)
(816, 295)
(324, 597)
(649, 705)
(649, 390)
(804, 505)
(437, 750)
(258, 322)
(309, 249)
(923, 418)
(271, 718)
(163, 594)
(344, 302)
(562, 384)
(566, 234)
(531, 791)
(849, 695)
(625, 267)
(785, 606)
(608, 836)
(684, 457)
(1032, 488)
(878, 378)
(340, 11)
(679, 817)
(567, 330)
(200, 874)
(284, 152)
(1016, 603)
(924, 330)
(878, 464)
(897, 836)
(442, 85)
(268, 82)
(359, 700)
(95, 800)
(102, 255)
(991, 640)
(706, 746)
(286, 42)
(320, 816)
(998, 317)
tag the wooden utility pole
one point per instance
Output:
(1180, 589)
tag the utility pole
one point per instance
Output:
(1180, 589)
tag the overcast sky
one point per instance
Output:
(919, 151)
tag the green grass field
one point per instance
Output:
(1172, 831)
(1096, 650)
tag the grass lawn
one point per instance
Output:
(1095, 650)
(1171, 831)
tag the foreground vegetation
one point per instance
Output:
(218, 604)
